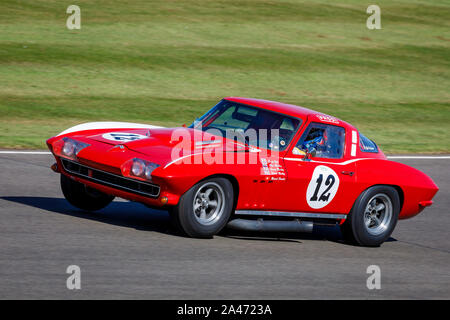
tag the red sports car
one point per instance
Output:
(246, 163)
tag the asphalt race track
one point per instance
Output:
(129, 251)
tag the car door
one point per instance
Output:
(318, 183)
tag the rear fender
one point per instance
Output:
(413, 185)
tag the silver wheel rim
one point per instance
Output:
(378, 214)
(208, 203)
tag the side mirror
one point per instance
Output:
(195, 123)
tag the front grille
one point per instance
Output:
(111, 180)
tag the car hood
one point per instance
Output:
(164, 145)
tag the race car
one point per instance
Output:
(248, 164)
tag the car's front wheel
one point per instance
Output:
(205, 208)
(84, 197)
(373, 217)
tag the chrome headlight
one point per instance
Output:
(142, 168)
(149, 169)
(138, 167)
(71, 147)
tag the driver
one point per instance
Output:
(319, 142)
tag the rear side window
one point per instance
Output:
(367, 145)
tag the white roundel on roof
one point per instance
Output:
(322, 187)
(123, 136)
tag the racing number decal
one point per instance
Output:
(322, 187)
(324, 196)
(123, 136)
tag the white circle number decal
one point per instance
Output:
(322, 188)
(123, 136)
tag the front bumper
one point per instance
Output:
(151, 194)
(110, 180)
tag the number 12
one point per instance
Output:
(328, 182)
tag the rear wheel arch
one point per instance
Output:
(401, 194)
(399, 190)
(354, 228)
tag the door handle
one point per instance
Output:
(349, 173)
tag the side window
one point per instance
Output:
(367, 145)
(328, 140)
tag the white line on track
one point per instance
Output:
(25, 152)
(419, 157)
(389, 157)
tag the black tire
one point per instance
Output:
(368, 226)
(189, 220)
(175, 221)
(83, 197)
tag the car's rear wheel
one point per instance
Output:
(82, 196)
(204, 209)
(373, 217)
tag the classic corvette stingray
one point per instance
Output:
(246, 163)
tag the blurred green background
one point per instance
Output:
(166, 62)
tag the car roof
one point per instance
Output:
(308, 115)
(288, 109)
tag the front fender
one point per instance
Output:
(179, 176)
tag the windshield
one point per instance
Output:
(250, 125)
